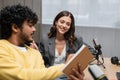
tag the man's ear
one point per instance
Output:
(15, 28)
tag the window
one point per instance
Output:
(103, 13)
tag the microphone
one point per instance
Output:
(96, 72)
(97, 47)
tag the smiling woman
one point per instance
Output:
(61, 42)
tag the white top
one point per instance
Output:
(60, 58)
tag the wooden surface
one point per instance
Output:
(110, 70)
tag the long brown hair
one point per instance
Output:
(69, 36)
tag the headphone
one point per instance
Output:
(115, 60)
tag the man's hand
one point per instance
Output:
(78, 75)
(33, 45)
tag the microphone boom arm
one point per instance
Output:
(99, 53)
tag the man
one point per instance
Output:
(17, 60)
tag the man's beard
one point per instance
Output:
(28, 42)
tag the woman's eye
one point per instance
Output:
(68, 24)
(61, 21)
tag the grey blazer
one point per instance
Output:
(47, 49)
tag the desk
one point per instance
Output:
(110, 70)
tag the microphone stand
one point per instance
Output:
(99, 53)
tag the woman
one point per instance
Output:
(61, 40)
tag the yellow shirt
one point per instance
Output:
(29, 65)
